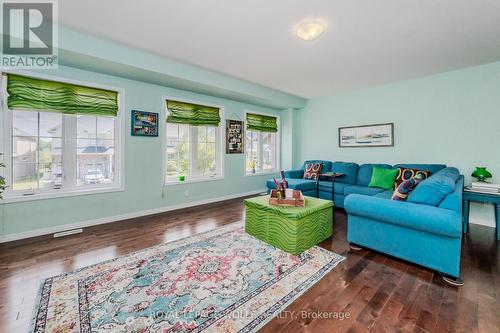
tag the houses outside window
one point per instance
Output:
(59, 149)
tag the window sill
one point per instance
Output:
(12, 198)
(265, 173)
(195, 180)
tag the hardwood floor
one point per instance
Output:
(377, 293)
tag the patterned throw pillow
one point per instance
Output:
(407, 174)
(404, 189)
(312, 171)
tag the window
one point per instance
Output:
(62, 148)
(192, 148)
(261, 144)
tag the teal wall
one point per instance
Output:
(143, 166)
(451, 118)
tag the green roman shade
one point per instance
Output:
(261, 123)
(26, 93)
(192, 114)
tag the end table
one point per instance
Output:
(332, 176)
(494, 199)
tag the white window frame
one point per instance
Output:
(69, 186)
(278, 147)
(219, 144)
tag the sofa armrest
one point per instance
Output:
(294, 173)
(420, 217)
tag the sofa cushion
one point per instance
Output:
(312, 171)
(294, 173)
(435, 188)
(358, 189)
(327, 165)
(296, 184)
(426, 167)
(349, 169)
(405, 174)
(387, 194)
(326, 185)
(404, 189)
(453, 200)
(365, 173)
(383, 178)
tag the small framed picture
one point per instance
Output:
(234, 137)
(144, 123)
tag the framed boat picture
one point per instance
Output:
(234, 137)
(144, 123)
(378, 135)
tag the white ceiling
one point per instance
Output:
(367, 42)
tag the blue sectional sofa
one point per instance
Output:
(426, 229)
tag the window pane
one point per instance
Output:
(105, 160)
(50, 151)
(85, 159)
(202, 159)
(202, 133)
(25, 123)
(177, 150)
(86, 127)
(211, 159)
(87, 172)
(172, 151)
(184, 132)
(95, 161)
(50, 124)
(252, 152)
(24, 149)
(37, 159)
(25, 176)
(211, 134)
(268, 151)
(183, 156)
(50, 175)
(172, 169)
(106, 128)
(206, 161)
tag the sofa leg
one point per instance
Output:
(355, 247)
(453, 281)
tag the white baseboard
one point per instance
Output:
(115, 218)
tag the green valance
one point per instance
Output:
(262, 123)
(192, 114)
(26, 93)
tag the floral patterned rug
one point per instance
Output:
(223, 280)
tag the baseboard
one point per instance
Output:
(115, 218)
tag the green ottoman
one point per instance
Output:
(292, 229)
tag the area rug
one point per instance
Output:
(219, 281)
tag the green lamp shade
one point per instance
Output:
(481, 174)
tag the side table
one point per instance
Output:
(332, 176)
(494, 199)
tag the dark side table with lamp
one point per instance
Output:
(477, 194)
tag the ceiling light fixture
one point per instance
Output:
(310, 30)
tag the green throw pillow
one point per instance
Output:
(383, 178)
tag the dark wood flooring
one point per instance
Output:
(378, 293)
